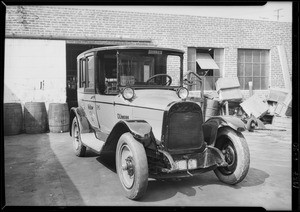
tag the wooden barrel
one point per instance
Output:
(35, 117)
(13, 118)
(58, 117)
(211, 108)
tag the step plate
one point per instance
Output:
(90, 140)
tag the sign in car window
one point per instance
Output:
(127, 80)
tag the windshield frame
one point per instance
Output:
(150, 86)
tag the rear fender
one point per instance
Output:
(83, 122)
(213, 124)
(140, 130)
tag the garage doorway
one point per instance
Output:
(72, 51)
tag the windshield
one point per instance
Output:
(148, 68)
(140, 68)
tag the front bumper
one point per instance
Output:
(186, 165)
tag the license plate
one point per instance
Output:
(182, 165)
(192, 164)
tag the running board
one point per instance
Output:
(90, 140)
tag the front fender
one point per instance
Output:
(140, 129)
(211, 126)
(83, 122)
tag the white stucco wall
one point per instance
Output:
(35, 71)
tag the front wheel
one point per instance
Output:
(235, 149)
(132, 166)
(79, 148)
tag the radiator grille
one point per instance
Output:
(185, 127)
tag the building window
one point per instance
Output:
(253, 66)
(206, 62)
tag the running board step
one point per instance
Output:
(90, 140)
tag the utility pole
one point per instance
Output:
(278, 13)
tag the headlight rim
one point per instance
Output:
(178, 93)
(124, 96)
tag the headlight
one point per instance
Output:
(182, 93)
(128, 93)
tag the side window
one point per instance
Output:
(90, 81)
(82, 73)
(108, 69)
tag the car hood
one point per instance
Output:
(148, 105)
(154, 99)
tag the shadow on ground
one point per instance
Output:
(34, 175)
(160, 190)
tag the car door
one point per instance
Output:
(106, 90)
(88, 97)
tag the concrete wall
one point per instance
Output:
(35, 71)
(175, 31)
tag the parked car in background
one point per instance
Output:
(132, 102)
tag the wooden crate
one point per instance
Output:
(230, 94)
(255, 106)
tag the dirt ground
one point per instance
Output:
(42, 170)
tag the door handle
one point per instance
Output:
(92, 97)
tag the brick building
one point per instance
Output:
(42, 43)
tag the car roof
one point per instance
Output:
(107, 48)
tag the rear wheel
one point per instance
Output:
(251, 124)
(132, 166)
(79, 148)
(235, 149)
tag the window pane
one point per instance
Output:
(217, 55)
(248, 56)
(215, 80)
(241, 56)
(256, 56)
(264, 83)
(221, 65)
(256, 69)
(83, 74)
(208, 83)
(91, 72)
(248, 70)
(264, 56)
(209, 72)
(256, 83)
(216, 72)
(247, 80)
(241, 70)
(242, 83)
(264, 70)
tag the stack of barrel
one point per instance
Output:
(35, 118)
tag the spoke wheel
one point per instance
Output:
(127, 164)
(230, 157)
(236, 152)
(132, 166)
(79, 148)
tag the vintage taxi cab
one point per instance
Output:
(132, 102)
